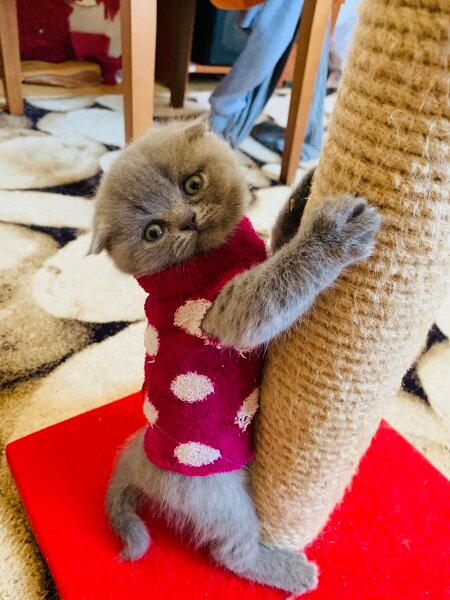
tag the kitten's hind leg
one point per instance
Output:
(283, 569)
(223, 514)
(122, 498)
(287, 570)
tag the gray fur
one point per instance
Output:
(146, 184)
(288, 220)
(218, 509)
(259, 304)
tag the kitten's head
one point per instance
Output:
(175, 193)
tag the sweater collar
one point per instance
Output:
(191, 275)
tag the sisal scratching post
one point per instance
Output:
(326, 381)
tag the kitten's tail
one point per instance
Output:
(121, 503)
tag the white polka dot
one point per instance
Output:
(190, 315)
(248, 410)
(150, 411)
(151, 340)
(195, 454)
(192, 387)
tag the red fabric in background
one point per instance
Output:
(389, 539)
(96, 46)
(112, 7)
(44, 34)
(44, 30)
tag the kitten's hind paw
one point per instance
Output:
(297, 575)
(284, 569)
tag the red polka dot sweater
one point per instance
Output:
(200, 399)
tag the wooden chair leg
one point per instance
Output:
(288, 71)
(10, 56)
(335, 8)
(138, 35)
(182, 48)
(314, 21)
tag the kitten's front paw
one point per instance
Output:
(347, 225)
(288, 221)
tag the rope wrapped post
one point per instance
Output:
(326, 382)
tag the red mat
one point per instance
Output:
(388, 540)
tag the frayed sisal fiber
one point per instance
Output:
(326, 382)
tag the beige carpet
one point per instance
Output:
(66, 347)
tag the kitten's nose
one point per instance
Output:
(189, 223)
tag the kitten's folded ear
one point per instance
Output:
(99, 241)
(197, 128)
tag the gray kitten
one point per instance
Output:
(176, 193)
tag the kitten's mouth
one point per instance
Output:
(206, 240)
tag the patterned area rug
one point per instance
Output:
(72, 326)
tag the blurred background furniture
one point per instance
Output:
(316, 16)
(176, 56)
(138, 36)
(195, 37)
(10, 56)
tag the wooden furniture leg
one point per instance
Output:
(138, 34)
(288, 71)
(10, 56)
(182, 48)
(314, 21)
(335, 8)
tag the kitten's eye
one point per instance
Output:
(154, 231)
(193, 184)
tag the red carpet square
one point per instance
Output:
(389, 539)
